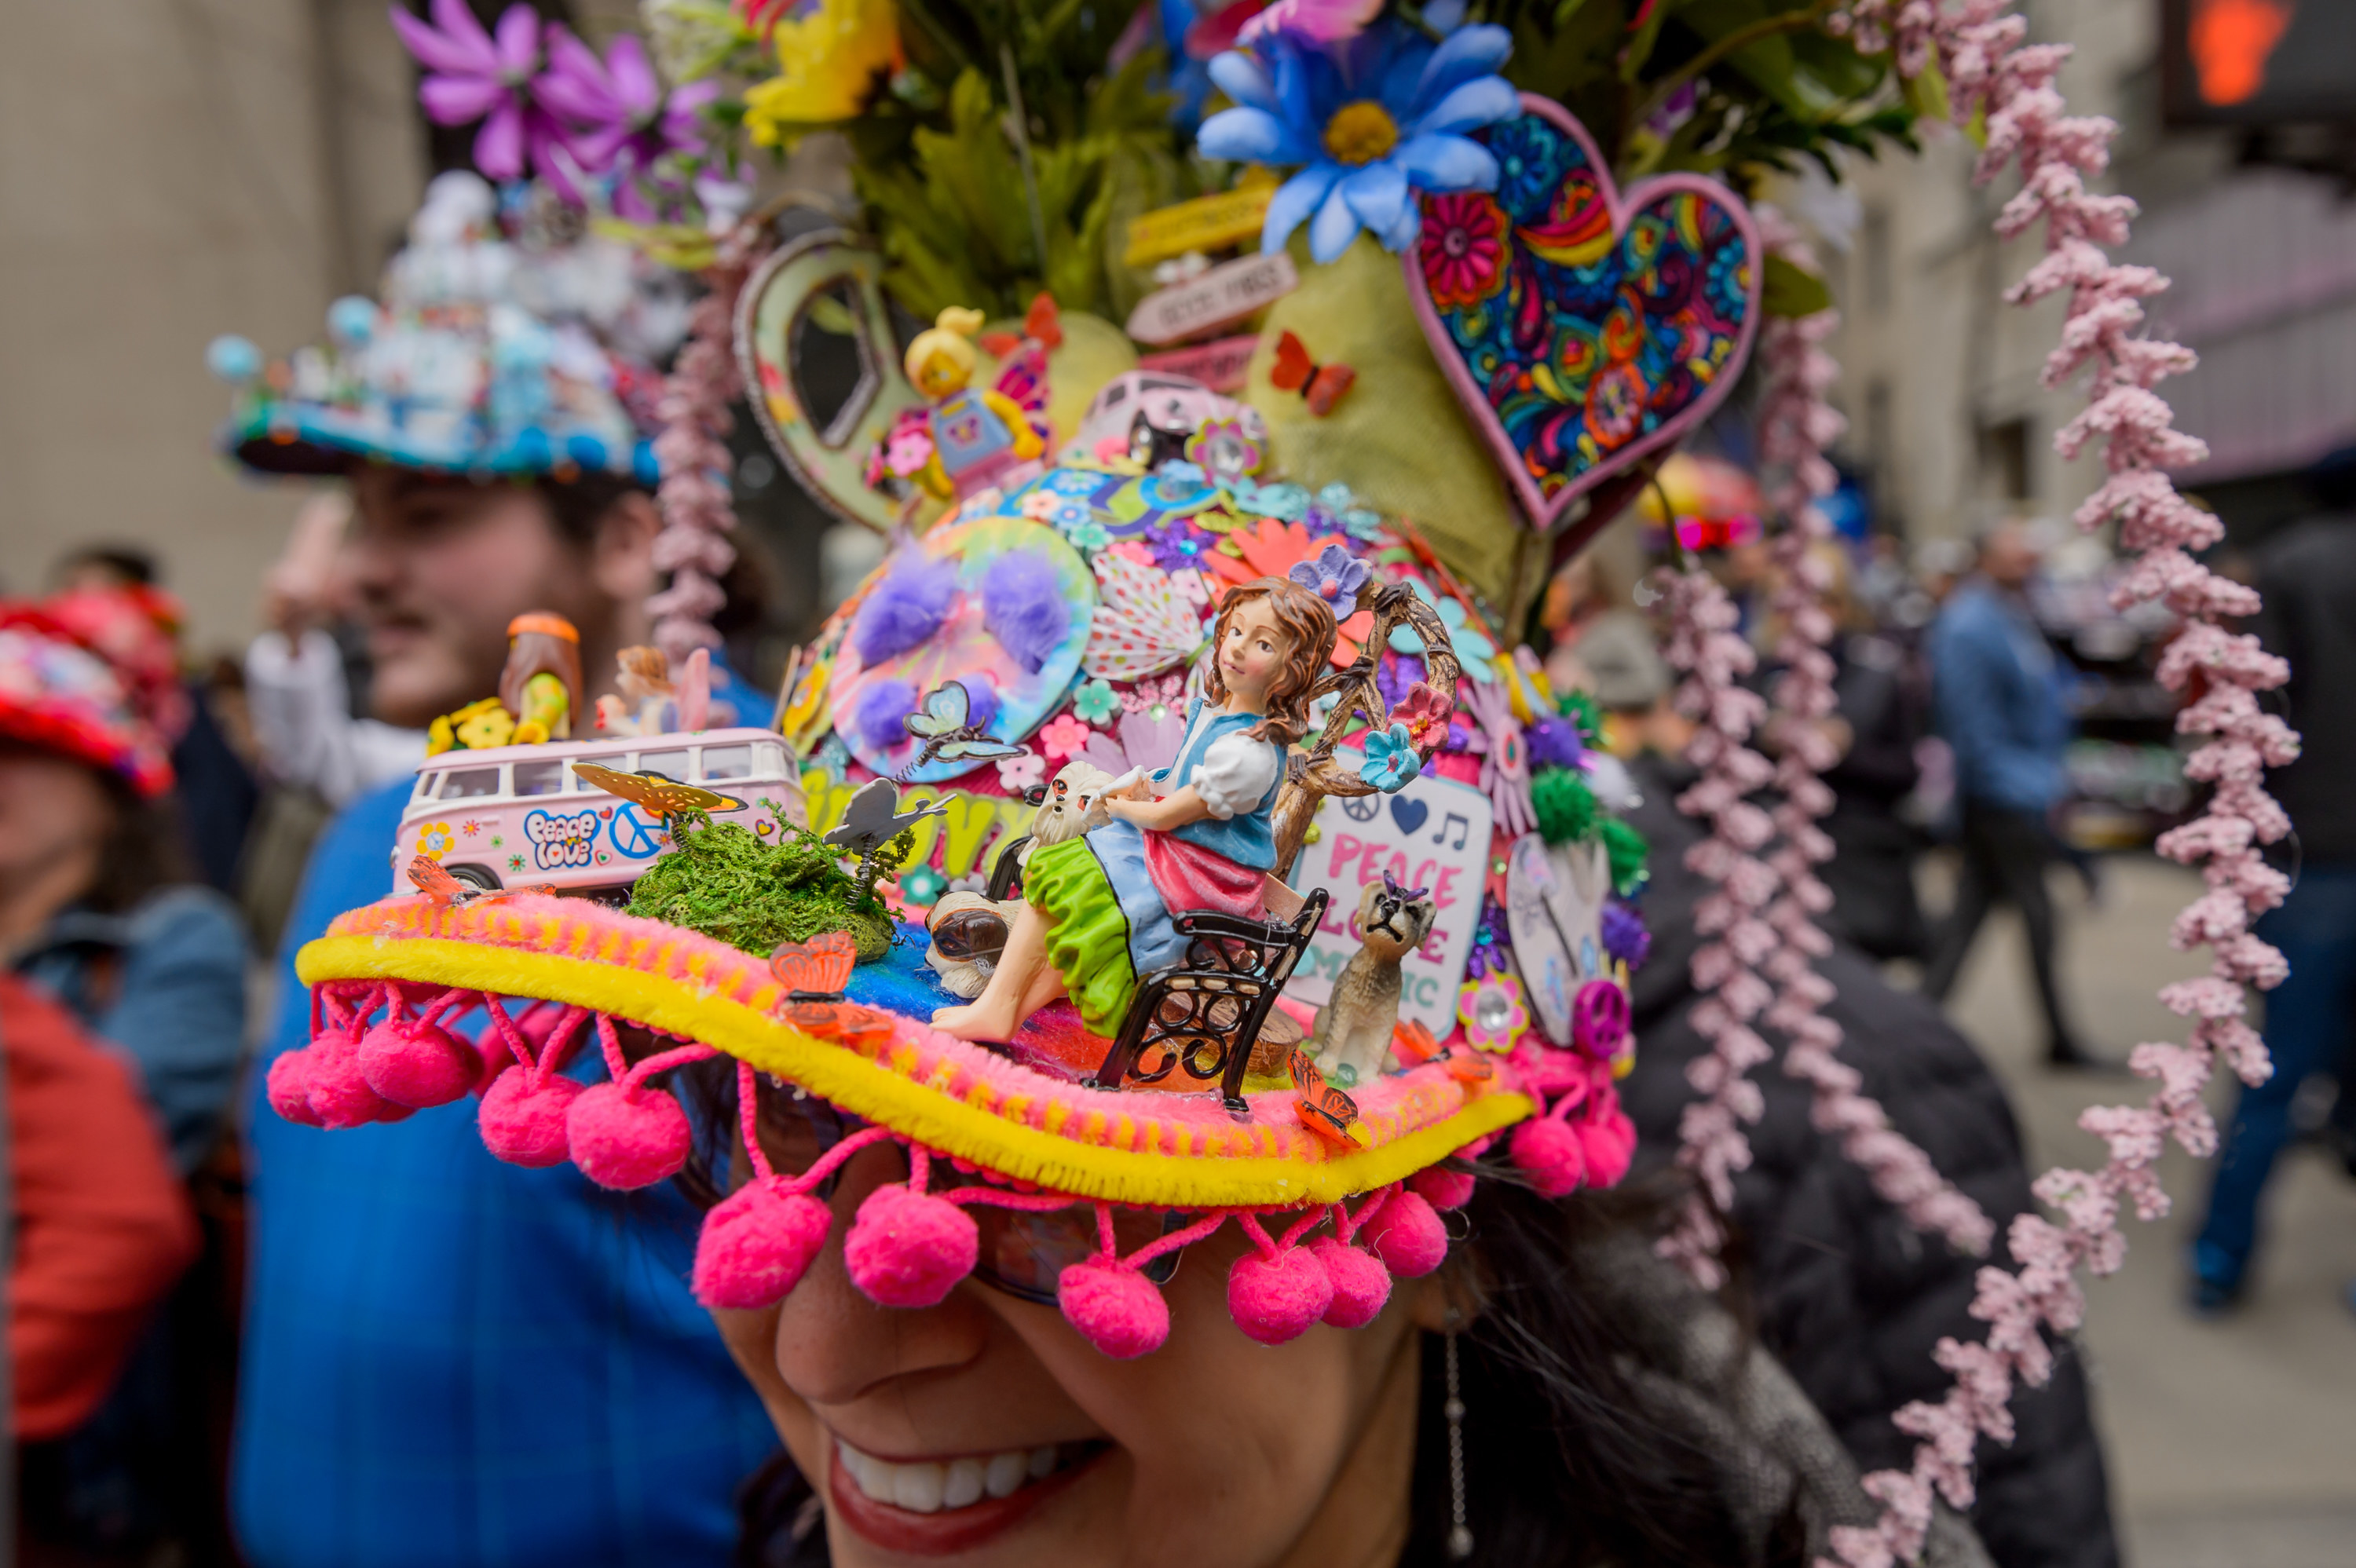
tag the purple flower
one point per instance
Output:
(1624, 937)
(474, 75)
(1335, 576)
(1178, 545)
(621, 119)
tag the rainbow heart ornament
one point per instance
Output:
(1582, 326)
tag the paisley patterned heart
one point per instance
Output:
(1582, 326)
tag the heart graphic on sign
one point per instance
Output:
(1582, 326)
(1410, 815)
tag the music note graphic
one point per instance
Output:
(1464, 827)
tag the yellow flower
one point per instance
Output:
(438, 737)
(484, 724)
(826, 62)
(433, 840)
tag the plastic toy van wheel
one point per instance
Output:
(482, 876)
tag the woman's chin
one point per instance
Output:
(903, 1511)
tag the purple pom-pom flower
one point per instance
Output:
(1624, 937)
(880, 714)
(1023, 606)
(1555, 744)
(905, 609)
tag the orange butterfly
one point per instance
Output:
(449, 892)
(1042, 325)
(1467, 1066)
(1323, 1109)
(1320, 386)
(814, 973)
(658, 795)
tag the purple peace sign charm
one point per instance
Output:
(1599, 1018)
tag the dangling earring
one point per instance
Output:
(1460, 1534)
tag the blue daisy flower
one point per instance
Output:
(1370, 120)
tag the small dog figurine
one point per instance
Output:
(1075, 804)
(1353, 1040)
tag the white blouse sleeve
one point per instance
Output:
(1233, 773)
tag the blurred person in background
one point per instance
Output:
(99, 587)
(2307, 578)
(451, 1360)
(1998, 702)
(100, 910)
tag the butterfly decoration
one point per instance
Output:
(1320, 386)
(1042, 325)
(814, 973)
(1467, 1066)
(945, 725)
(1323, 1109)
(447, 891)
(1145, 621)
(874, 817)
(657, 793)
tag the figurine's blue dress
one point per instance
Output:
(1107, 895)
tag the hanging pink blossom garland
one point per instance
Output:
(1795, 426)
(1711, 1142)
(692, 450)
(1990, 70)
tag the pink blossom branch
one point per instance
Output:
(692, 450)
(1712, 1144)
(1795, 426)
(1990, 70)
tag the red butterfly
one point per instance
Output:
(1323, 1109)
(449, 892)
(1042, 323)
(1320, 386)
(815, 970)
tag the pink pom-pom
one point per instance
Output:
(756, 1245)
(1550, 1072)
(1549, 1154)
(1276, 1299)
(1608, 1143)
(290, 1088)
(622, 1137)
(1443, 1189)
(417, 1064)
(909, 1249)
(1407, 1236)
(338, 1094)
(524, 1123)
(1361, 1284)
(1118, 1310)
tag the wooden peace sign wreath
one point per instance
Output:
(1313, 776)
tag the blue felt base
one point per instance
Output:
(901, 981)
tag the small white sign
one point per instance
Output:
(1553, 913)
(1227, 292)
(1434, 834)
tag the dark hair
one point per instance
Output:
(131, 562)
(145, 850)
(1566, 1462)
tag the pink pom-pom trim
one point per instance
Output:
(757, 1243)
(1116, 1310)
(412, 1063)
(1275, 1297)
(1407, 1235)
(1548, 1153)
(1443, 1189)
(1361, 1286)
(624, 1137)
(909, 1249)
(523, 1122)
(289, 1087)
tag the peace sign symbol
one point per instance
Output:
(635, 837)
(1361, 808)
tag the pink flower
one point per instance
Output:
(1423, 712)
(474, 75)
(1492, 1011)
(1462, 248)
(1019, 774)
(1063, 736)
(1319, 21)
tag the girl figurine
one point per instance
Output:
(1097, 915)
(979, 434)
(541, 683)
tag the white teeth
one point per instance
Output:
(919, 1487)
(928, 1485)
(1004, 1474)
(964, 1483)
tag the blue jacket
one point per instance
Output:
(166, 983)
(455, 1361)
(1996, 692)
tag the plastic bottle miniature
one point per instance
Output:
(1097, 915)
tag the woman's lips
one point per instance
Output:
(933, 1507)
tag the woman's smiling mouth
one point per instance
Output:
(933, 1507)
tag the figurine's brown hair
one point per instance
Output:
(1307, 623)
(539, 643)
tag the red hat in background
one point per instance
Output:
(59, 689)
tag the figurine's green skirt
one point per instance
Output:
(1087, 935)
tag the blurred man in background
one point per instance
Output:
(1996, 699)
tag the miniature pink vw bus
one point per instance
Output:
(518, 815)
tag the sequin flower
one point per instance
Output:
(1369, 121)
(1335, 576)
(1492, 1011)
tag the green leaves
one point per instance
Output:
(1785, 290)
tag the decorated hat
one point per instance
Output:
(498, 347)
(56, 691)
